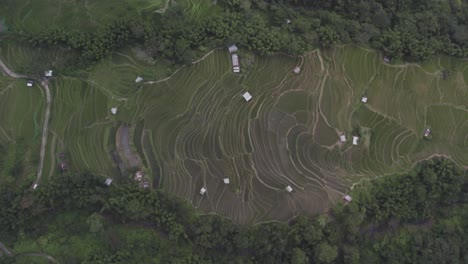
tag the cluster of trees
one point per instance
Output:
(420, 214)
(411, 30)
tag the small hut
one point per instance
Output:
(342, 137)
(289, 189)
(232, 48)
(355, 140)
(288, 21)
(108, 181)
(145, 184)
(347, 198)
(138, 79)
(247, 96)
(114, 110)
(48, 73)
(297, 70)
(427, 132)
(226, 180)
(29, 83)
(35, 186)
(202, 190)
(386, 59)
(63, 166)
(138, 176)
(364, 99)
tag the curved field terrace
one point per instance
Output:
(193, 129)
(203, 131)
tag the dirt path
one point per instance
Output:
(45, 85)
(49, 258)
(5, 250)
(10, 254)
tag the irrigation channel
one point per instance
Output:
(45, 85)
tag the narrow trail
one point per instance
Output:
(5, 250)
(45, 85)
(8, 253)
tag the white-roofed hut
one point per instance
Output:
(342, 137)
(108, 181)
(232, 48)
(138, 79)
(202, 190)
(48, 73)
(355, 140)
(247, 96)
(427, 132)
(347, 198)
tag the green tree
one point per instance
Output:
(299, 257)
(326, 253)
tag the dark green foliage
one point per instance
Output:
(418, 217)
(412, 30)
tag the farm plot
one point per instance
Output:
(194, 129)
(32, 15)
(202, 131)
(81, 128)
(21, 115)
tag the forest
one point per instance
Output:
(416, 217)
(410, 30)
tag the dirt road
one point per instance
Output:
(45, 85)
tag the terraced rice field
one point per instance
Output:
(81, 128)
(194, 129)
(21, 115)
(203, 131)
(34, 15)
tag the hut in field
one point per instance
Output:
(287, 21)
(29, 83)
(138, 176)
(48, 73)
(232, 48)
(247, 96)
(202, 190)
(289, 189)
(297, 70)
(108, 181)
(355, 140)
(114, 110)
(226, 180)
(342, 137)
(427, 132)
(235, 63)
(364, 99)
(387, 59)
(138, 79)
(145, 184)
(35, 186)
(63, 166)
(347, 198)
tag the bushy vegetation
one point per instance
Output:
(416, 217)
(411, 30)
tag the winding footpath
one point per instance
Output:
(45, 84)
(8, 253)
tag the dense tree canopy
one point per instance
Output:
(411, 30)
(417, 217)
